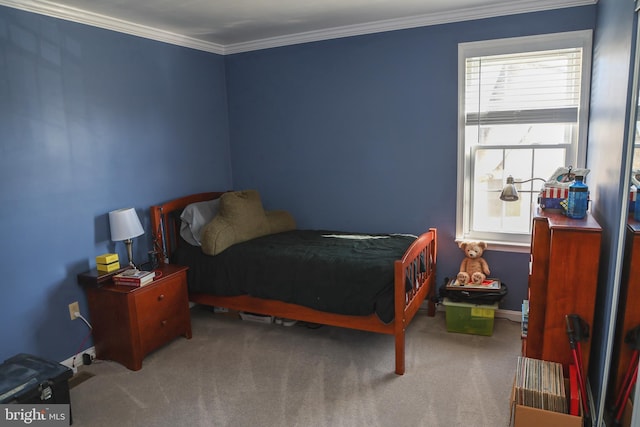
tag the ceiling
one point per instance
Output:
(230, 26)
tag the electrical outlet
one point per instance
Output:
(74, 308)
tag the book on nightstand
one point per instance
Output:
(133, 278)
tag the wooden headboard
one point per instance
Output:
(165, 222)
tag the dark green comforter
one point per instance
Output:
(345, 275)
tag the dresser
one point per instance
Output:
(129, 323)
(563, 278)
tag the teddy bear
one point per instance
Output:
(473, 268)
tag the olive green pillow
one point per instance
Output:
(240, 217)
(280, 221)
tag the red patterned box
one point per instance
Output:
(550, 197)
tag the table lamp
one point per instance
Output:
(125, 225)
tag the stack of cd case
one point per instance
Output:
(540, 384)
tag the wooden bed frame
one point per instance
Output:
(417, 267)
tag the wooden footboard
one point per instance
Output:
(415, 279)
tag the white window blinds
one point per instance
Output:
(529, 87)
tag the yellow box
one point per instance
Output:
(108, 268)
(106, 258)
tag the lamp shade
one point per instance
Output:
(124, 224)
(509, 192)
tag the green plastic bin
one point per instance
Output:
(465, 318)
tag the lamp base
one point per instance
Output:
(129, 244)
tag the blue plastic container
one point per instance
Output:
(578, 199)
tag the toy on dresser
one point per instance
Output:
(555, 192)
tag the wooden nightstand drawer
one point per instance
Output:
(128, 323)
(162, 312)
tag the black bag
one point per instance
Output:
(472, 297)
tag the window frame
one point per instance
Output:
(576, 153)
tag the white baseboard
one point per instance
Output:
(514, 316)
(70, 363)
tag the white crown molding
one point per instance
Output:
(67, 13)
(55, 10)
(481, 12)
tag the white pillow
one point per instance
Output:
(194, 217)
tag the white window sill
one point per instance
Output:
(524, 248)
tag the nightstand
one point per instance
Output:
(129, 323)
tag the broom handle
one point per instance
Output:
(583, 388)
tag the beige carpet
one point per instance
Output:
(239, 373)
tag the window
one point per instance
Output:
(523, 108)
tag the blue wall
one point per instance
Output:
(361, 133)
(91, 121)
(357, 134)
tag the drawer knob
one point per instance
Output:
(160, 297)
(163, 323)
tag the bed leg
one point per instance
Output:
(431, 308)
(400, 352)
